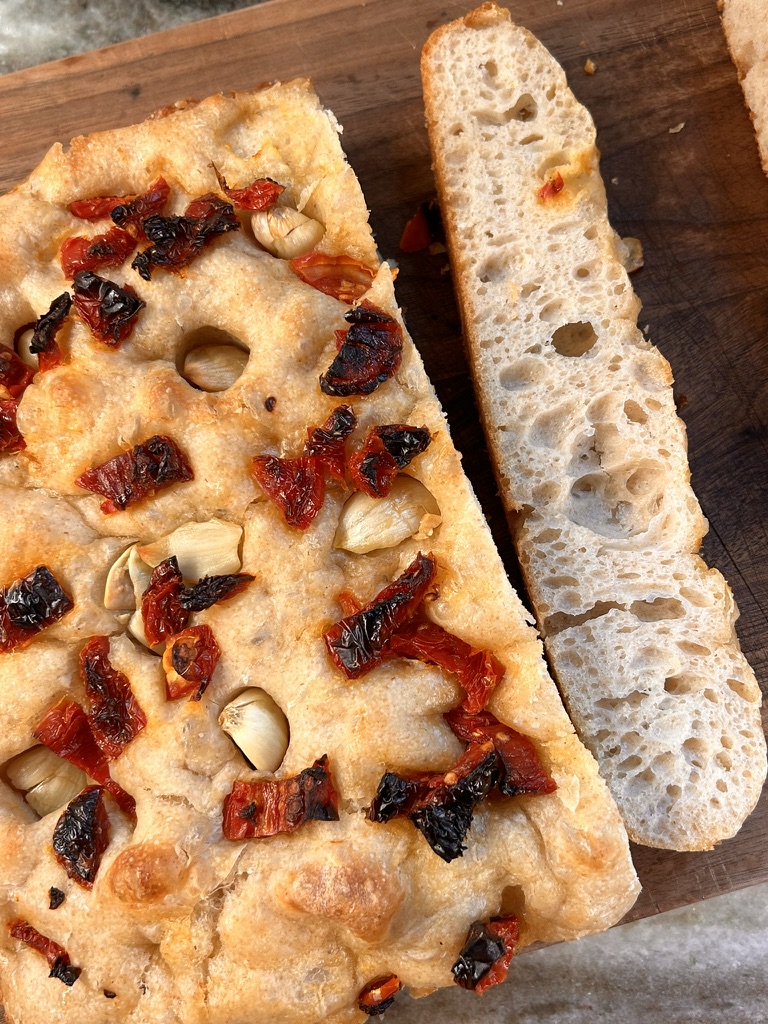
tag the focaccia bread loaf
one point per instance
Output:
(174, 921)
(589, 452)
(745, 23)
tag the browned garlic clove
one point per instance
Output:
(258, 726)
(46, 780)
(368, 524)
(202, 549)
(214, 367)
(285, 232)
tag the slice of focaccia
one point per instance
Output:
(278, 738)
(590, 454)
(745, 23)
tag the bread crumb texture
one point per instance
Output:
(182, 924)
(590, 454)
(745, 23)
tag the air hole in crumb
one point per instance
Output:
(512, 902)
(528, 139)
(678, 685)
(574, 339)
(211, 359)
(656, 611)
(739, 688)
(674, 791)
(634, 412)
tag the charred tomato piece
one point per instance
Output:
(189, 661)
(485, 956)
(521, 769)
(327, 443)
(55, 898)
(424, 228)
(386, 450)
(161, 609)
(44, 344)
(259, 195)
(15, 375)
(137, 474)
(369, 353)
(108, 310)
(341, 277)
(66, 731)
(478, 671)
(267, 807)
(296, 486)
(107, 250)
(440, 805)
(61, 966)
(211, 589)
(177, 241)
(124, 210)
(358, 642)
(82, 835)
(114, 714)
(379, 994)
(11, 440)
(30, 605)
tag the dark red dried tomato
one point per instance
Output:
(441, 804)
(521, 769)
(369, 353)
(29, 605)
(341, 277)
(212, 589)
(296, 486)
(379, 994)
(415, 236)
(177, 241)
(190, 660)
(81, 836)
(479, 672)
(11, 440)
(259, 195)
(267, 807)
(55, 898)
(109, 311)
(327, 443)
(107, 250)
(15, 375)
(161, 609)
(61, 966)
(358, 643)
(115, 715)
(124, 210)
(44, 344)
(552, 187)
(386, 450)
(137, 474)
(485, 957)
(66, 731)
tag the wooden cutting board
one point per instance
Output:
(697, 199)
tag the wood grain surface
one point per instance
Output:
(696, 198)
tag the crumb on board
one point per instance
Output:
(677, 128)
(589, 66)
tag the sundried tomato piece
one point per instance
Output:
(521, 769)
(116, 717)
(161, 609)
(424, 228)
(211, 589)
(485, 956)
(130, 477)
(57, 957)
(124, 210)
(552, 187)
(55, 898)
(11, 440)
(107, 250)
(327, 443)
(30, 605)
(370, 351)
(177, 241)
(189, 661)
(386, 450)
(81, 836)
(15, 375)
(108, 310)
(44, 344)
(379, 994)
(66, 731)
(341, 277)
(259, 195)
(441, 804)
(478, 671)
(358, 642)
(267, 807)
(296, 486)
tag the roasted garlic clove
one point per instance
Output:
(285, 232)
(202, 549)
(23, 350)
(46, 780)
(367, 524)
(214, 367)
(118, 591)
(258, 727)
